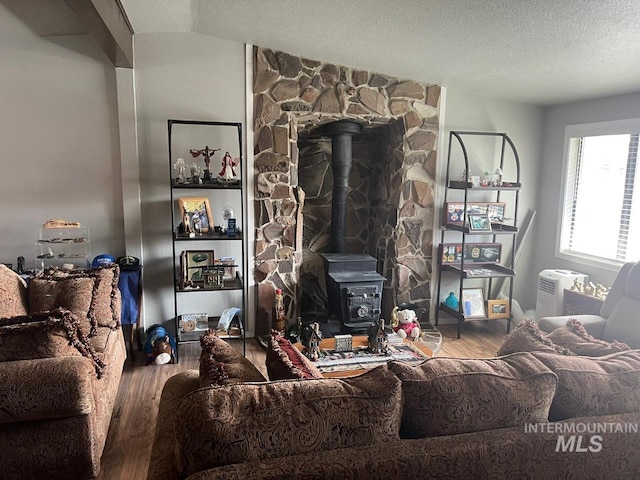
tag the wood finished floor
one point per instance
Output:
(128, 447)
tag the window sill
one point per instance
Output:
(590, 260)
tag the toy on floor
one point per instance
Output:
(159, 346)
(405, 323)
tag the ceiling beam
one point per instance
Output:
(107, 22)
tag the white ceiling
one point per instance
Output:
(541, 52)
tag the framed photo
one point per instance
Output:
(479, 222)
(193, 265)
(473, 303)
(473, 253)
(498, 308)
(455, 213)
(197, 212)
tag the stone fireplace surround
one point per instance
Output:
(391, 203)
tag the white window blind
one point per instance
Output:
(601, 211)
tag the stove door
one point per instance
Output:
(361, 304)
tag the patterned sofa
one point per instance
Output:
(445, 418)
(61, 357)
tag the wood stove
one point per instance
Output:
(354, 287)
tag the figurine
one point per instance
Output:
(311, 339)
(207, 153)
(377, 338)
(185, 226)
(228, 171)
(181, 167)
(195, 173)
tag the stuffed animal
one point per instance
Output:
(159, 346)
(407, 324)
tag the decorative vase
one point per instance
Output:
(451, 301)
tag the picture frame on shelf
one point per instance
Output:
(455, 211)
(474, 253)
(498, 308)
(473, 303)
(198, 212)
(479, 222)
(193, 264)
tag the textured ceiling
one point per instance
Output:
(541, 52)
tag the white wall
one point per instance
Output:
(178, 76)
(555, 120)
(59, 138)
(523, 124)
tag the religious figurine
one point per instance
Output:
(228, 171)
(195, 173)
(181, 168)
(207, 153)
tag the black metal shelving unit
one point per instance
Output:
(489, 271)
(181, 241)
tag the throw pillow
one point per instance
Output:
(594, 386)
(240, 423)
(221, 364)
(75, 294)
(284, 361)
(574, 337)
(46, 335)
(527, 337)
(106, 301)
(447, 396)
(13, 293)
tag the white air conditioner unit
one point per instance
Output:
(551, 285)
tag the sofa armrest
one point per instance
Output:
(161, 465)
(46, 388)
(593, 324)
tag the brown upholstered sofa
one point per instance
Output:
(61, 357)
(445, 418)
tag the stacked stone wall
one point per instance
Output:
(294, 95)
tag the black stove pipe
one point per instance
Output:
(341, 134)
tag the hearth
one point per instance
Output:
(354, 287)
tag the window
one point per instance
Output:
(600, 217)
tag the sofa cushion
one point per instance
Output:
(13, 294)
(284, 361)
(46, 335)
(238, 423)
(221, 364)
(574, 337)
(106, 301)
(447, 396)
(527, 337)
(594, 386)
(75, 294)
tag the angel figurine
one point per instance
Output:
(195, 173)
(228, 171)
(181, 167)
